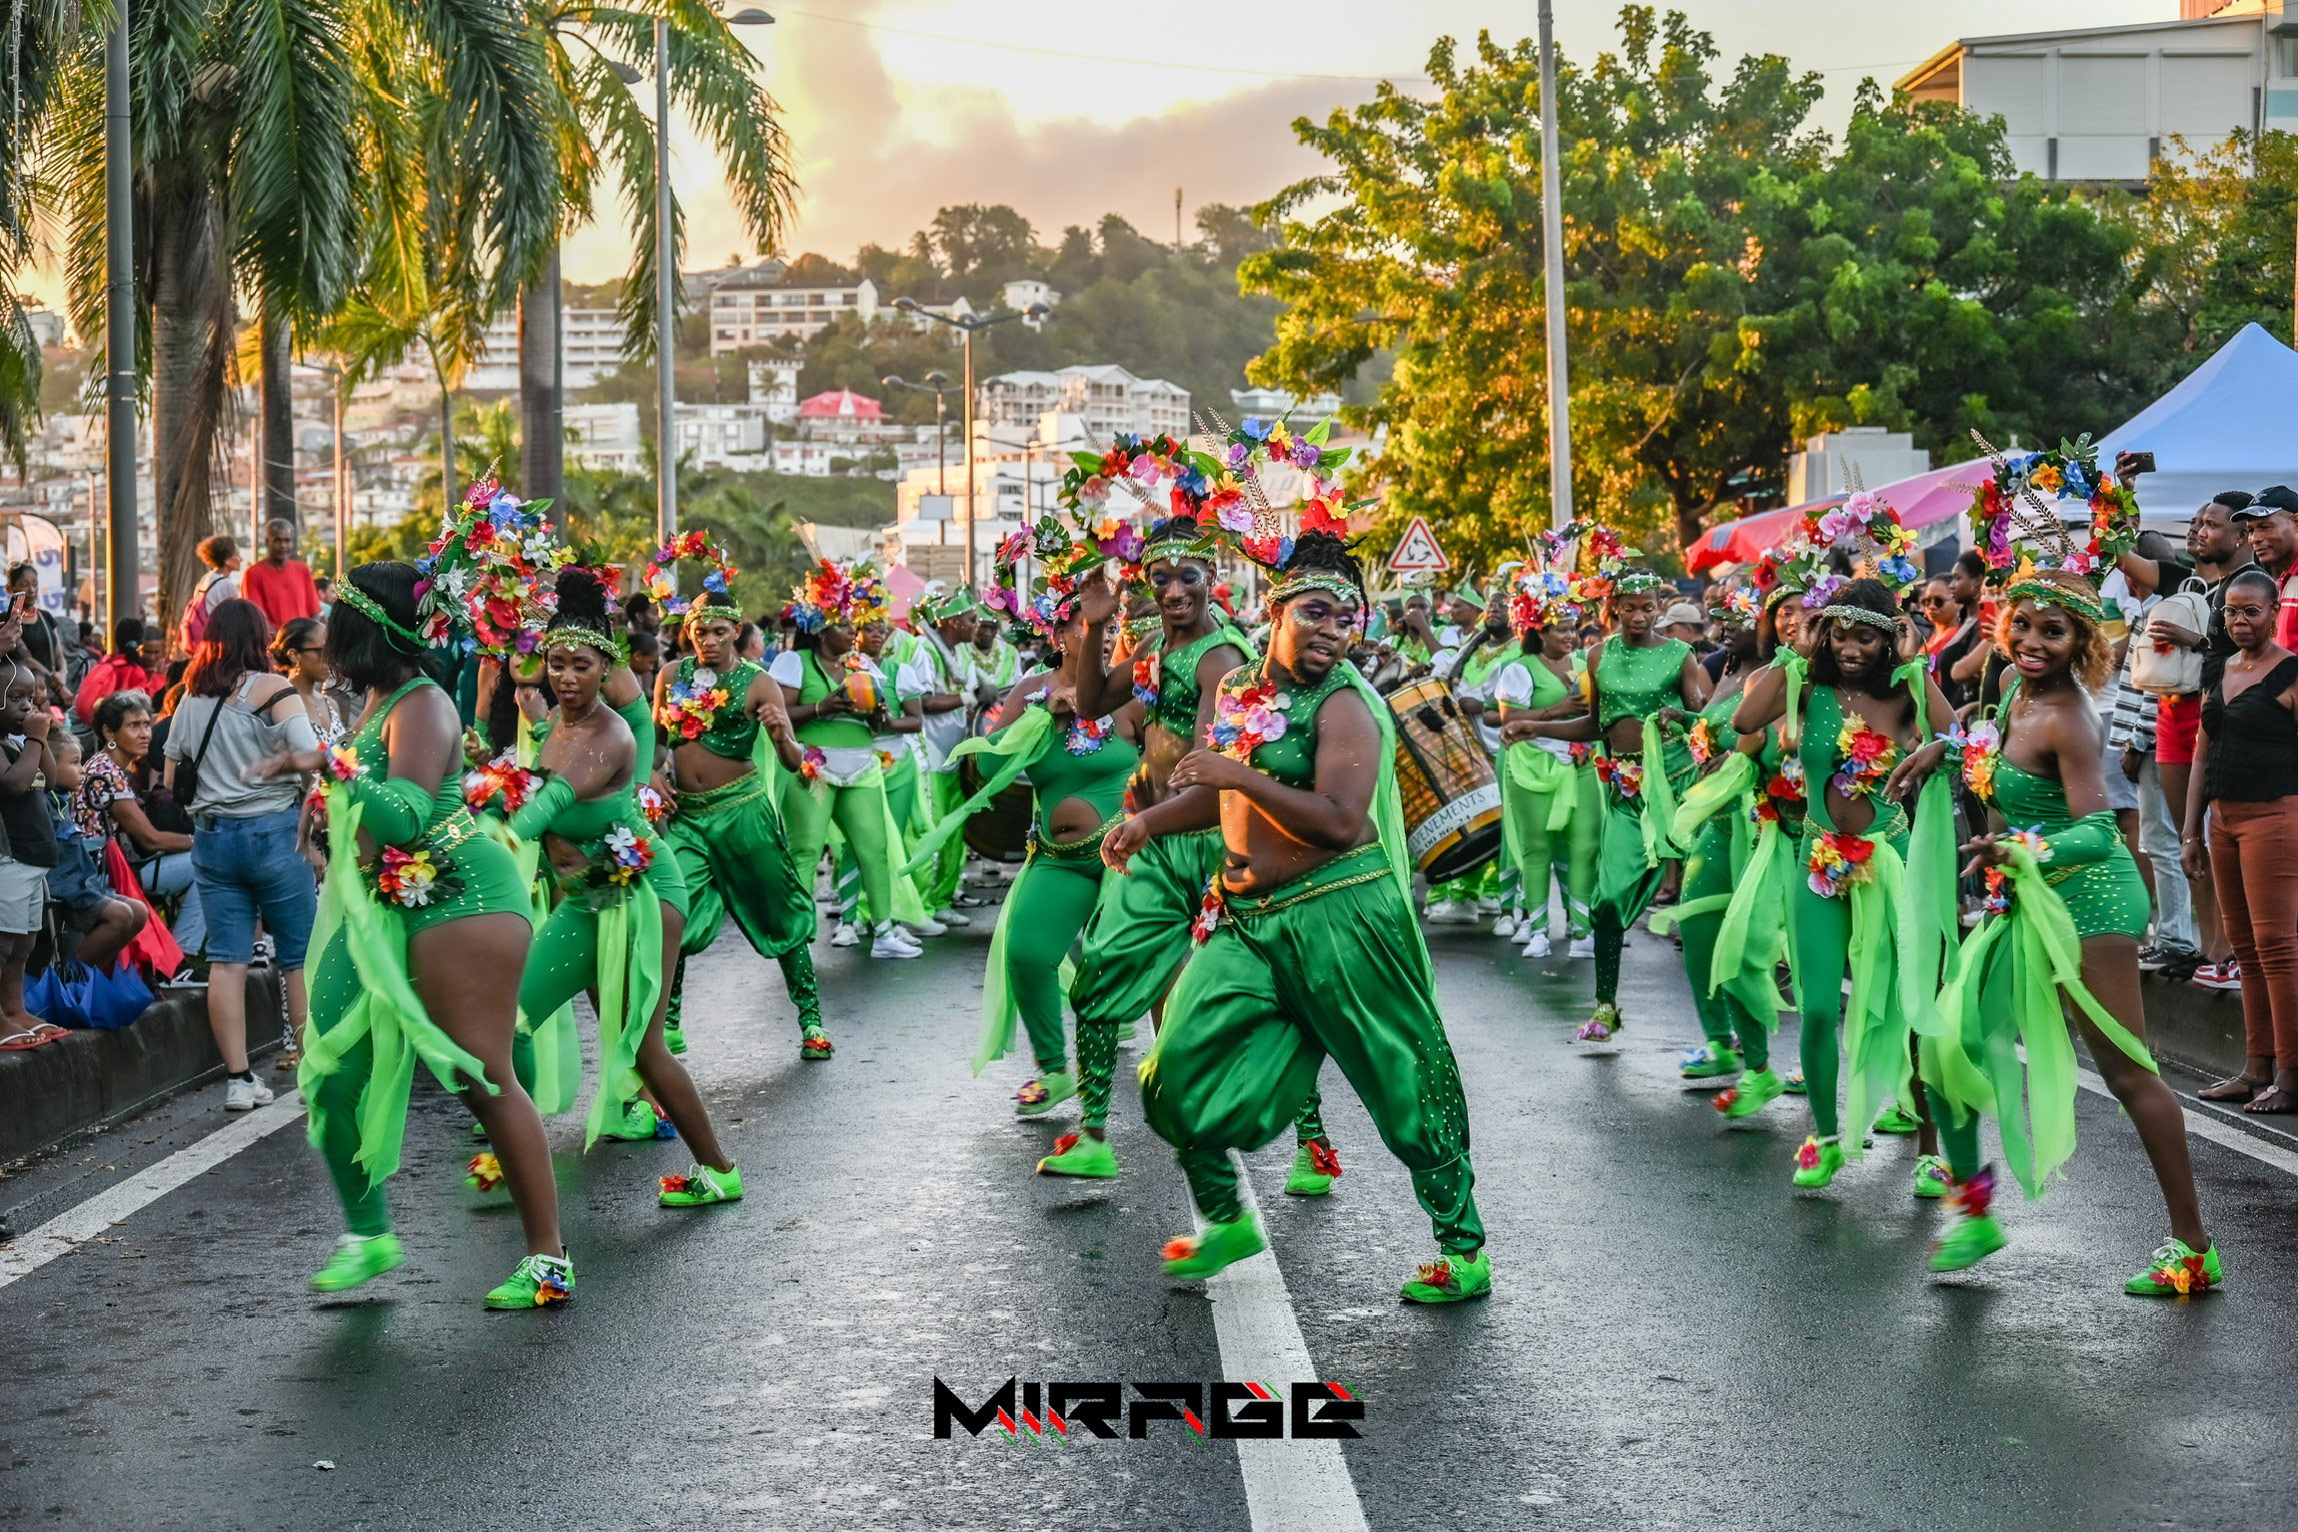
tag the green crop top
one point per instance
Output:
(1823, 722)
(733, 732)
(843, 732)
(1177, 690)
(1098, 776)
(1636, 683)
(1291, 757)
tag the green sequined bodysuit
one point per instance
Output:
(487, 875)
(1823, 719)
(1291, 757)
(1636, 683)
(1177, 690)
(733, 732)
(2088, 866)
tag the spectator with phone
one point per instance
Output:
(45, 647)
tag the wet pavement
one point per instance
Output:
(1676, 1340)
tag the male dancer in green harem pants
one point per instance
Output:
(1137, 940)
(1317, 951)
(945, 646)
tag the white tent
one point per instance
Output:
(2232, 423)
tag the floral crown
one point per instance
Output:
(2053, 510)
(1061, 556)
(1737, 606)
(717, 594)
(563, 629)
(852, 594)
(1865, 529)
(1605, 566)
(482, 575)
(1788, 570)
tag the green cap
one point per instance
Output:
(1466, 591)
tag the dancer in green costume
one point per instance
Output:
(732, 853)
(1470, 667)
(1552, 814)
(1136, 942)
(622, 906)
(1640, 684)
(1078, 765)
(892, 654)
(945, 666)
(839, 703)
(423, 933)
(1313, 946)
(2066, 910)
(1877, 893)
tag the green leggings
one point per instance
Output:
(943, 791)
(1565, 858)
(1822, 957)
(1051, 903)
(733, 859)
(902, 798)
(1625, 883)
(1708, 876)
(335, 985)
(809, 809)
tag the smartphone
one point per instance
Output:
(2128, 464)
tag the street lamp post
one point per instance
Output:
(666, 280)
(125, 588)
(966, 327)
(1552, 251)
(937, 383)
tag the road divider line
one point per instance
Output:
(1290, 1486)
(64, 1233)
(2204, 1125)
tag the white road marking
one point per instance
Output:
(2204, 1125)
(63, 1234)
(1290, 1486)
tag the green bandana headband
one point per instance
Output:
(1634, 582)
(712, 601)
(368, 607)
(1843, 613)
(2051, 593)
(1328, 580)
(1174, 546)
(612, 645)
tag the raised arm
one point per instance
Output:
(1762, 702)
(1100, 690)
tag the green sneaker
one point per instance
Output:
(1708, 1061)
(539, 1281)
(1221, 1245)
(1792, 1082)
(358, 1259)
(814, 1045)
(1450, 1279)
(1600, 1026)
(1080, 1154)
(1898, 1121)
(1817, 1161)
(1044, 1093)
(637, 1125)
(674, 1037)
(1756, 1090)
(1932, 1177)
(1316, 1166)
(2178, 1272)
(701, 1186)
(1978, 1235)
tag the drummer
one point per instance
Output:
(1471, 666)
(1640, 684)
(1138, 937)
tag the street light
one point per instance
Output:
(666, 275)
(937, 383)
(967, 326)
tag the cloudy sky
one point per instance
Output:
(1070, 108)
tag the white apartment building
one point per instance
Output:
(604, 436)
(1278, 404)
(1024, 293)
(1107, 400)
(714, 435)
(47, 327)
(593, 341)
(2102, 104)
(774, 384)
(752, 309)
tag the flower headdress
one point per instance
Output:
(1606, 566)
(2027, 516)
(1737, 606)
(583, 594)
(482, 574)
(1788, 570)
(852, 594)
(1865, 529)
(717, 594)
(1061, 556)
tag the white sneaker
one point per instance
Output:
(1450, 912)
(926, 927)
(951, 917)
(893, 942)
(845, 935)
(1487, 906)
(1505, 925)
(245, 1095)
(1582, 947)
(1537, 945)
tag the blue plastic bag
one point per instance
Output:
(59, 994)
(117, 998)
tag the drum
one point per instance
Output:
(1451, 794)
(1000, 832)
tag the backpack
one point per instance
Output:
(2160, 668)
(195, 610)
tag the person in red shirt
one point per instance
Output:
(279, 583)
(2271, 523)
(120, 671)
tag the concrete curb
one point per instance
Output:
(2201, 1028)
(49, 1093)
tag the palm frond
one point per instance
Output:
(290, 167)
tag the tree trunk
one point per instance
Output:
(450, 493)
(542, 393)
(275, 434)
(191, 344)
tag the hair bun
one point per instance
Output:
(582, 597)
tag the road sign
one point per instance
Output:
(1418, 551)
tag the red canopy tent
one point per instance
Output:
(1922, 501)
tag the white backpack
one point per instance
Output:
(2163, 668)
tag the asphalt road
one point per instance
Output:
(1676, 1338)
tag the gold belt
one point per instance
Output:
(1242, 905)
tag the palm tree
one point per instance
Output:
(254, 128)
(28, 52)
(594, 50)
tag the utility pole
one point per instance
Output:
(1552, 283)
(126, 585)
(665, 305)
(1176, 220)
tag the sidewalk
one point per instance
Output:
(49, 1093)
(2201, 1028)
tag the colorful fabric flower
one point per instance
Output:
(1148, 675)
(412, 879)
(1622, 775)
(691, 706)
(810, 764)
(1864, 758)
(1088, 735)
(1839, 861)
(1978, 748)
(1246, 719)
(1210, 911)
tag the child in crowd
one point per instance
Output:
(104, 922)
